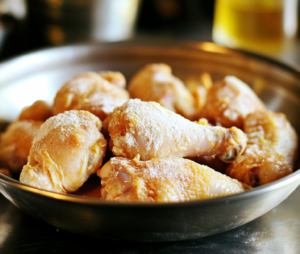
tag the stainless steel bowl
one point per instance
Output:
(40, 74)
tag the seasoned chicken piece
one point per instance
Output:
(155, 82)
(114, 77)
(90, 92)
(15, 144)
(200, 90)
(38, 111)
(271, 150)
(163, 180)
(229, 101)
(66, 151)
(148, 129)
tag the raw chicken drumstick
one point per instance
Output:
(163, 180)
(15, 144)
(91, 92)
(229, 101)
(271, 151)
(155, 82)
(66, 151)
(148, 129)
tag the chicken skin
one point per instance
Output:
(200, 89)
(213, 162)
(90, 92)
(163, 180)
(114, 77)
(155, 82)
(210, 161)
(15, 144)
(152, 131)
(66, 151)
(271, 151)
(38, 111)
(228, 103)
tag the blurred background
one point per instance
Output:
(265, 26)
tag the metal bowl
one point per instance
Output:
(40, 74)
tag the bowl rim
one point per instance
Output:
(69, 197)
(183, 44)
(159, 42)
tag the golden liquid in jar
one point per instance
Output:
(250, 24)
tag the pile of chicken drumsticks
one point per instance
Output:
(157, 141)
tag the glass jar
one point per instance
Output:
(258, 25)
